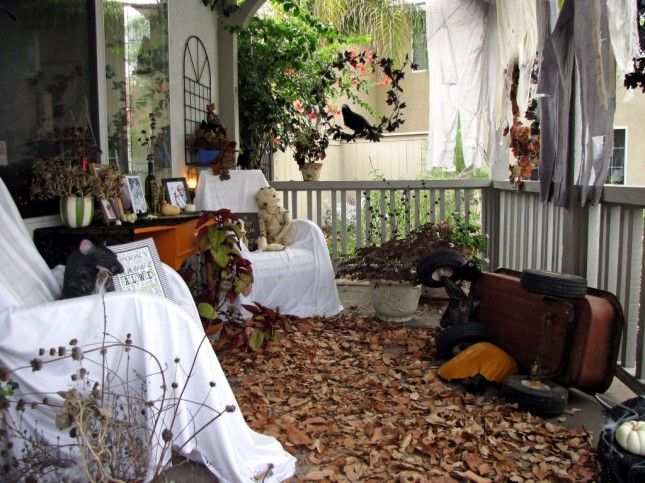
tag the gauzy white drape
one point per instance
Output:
(455, 33)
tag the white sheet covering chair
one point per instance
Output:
(299, 280)
(32, 318)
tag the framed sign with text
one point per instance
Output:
(142, 268)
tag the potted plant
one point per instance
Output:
(391, 268)
(210, 141)
(280, 89)
(220, 272)
(68, 178)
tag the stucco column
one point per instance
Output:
(227, 66)
(227, 81)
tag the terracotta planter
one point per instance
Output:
(394, 301)
(311, 171)
(76, 211)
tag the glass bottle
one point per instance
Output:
(151, 187)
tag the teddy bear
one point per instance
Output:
(275, 221)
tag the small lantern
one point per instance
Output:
(191, 177)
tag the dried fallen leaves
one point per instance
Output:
(355, 400)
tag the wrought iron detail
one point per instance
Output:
(197, 89)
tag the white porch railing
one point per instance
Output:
(604, 243)
(362, 213)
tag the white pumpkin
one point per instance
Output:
(631, 436)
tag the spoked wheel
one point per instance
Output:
(432, 269)
(544, 398)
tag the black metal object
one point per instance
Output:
(618, 464)
(197, 89)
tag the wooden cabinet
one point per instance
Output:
(174, 243)
(174, 238)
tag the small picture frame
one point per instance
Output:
(176, 191)
(107, 210)
(142, 268)
(252, 228)
(132, 194)
(117, 206)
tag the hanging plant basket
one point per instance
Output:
(206, 157)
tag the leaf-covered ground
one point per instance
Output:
(358, 400)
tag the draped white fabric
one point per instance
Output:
(623, 31)
(24, 276)
(170, 331)
(455, 32)
(299, 280)
(237, 194)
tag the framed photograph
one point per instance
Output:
(107, 210)
(176, 191)
(252, 227)
(132, 194)
(117, 206)
(142, 268)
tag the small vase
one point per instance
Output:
(206, 157)
(311, 171)
(76, 211)
(526, 171)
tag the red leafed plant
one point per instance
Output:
(524, 139)
(227, 272)
(265, 325)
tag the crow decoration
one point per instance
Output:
(359, 124)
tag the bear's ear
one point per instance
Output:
(86, 247)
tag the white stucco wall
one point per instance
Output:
(186, 18)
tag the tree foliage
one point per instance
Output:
(390, 24)
(280, 61)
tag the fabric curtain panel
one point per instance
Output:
(456, 31)
(576, 61)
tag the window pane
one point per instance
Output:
(619, 138)
(45, 86)
(136, 37)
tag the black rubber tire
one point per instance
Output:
(430, 264)
(543, 402)
(553, 284)
(456, 338)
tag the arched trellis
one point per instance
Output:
(197, 89)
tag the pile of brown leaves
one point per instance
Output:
(357, 400)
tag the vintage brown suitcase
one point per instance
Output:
(580, 343)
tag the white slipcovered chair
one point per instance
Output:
(299, 280)
(31, 317)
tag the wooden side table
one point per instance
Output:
(174, 243)
(174, 238)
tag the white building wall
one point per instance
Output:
(186, 18)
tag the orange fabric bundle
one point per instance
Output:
(482, 358)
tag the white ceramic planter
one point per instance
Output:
(76, 211)
(394, 301)
(311, 171)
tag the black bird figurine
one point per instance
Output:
(356, 122)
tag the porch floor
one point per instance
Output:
(356, 300)
(355, 297)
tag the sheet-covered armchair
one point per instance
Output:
(32, 318)
(299, 280)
